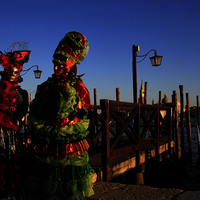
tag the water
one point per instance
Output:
(184, 174)
(191, 167)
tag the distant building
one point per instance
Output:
(165, 100)
(142, 93)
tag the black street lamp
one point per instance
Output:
(155, 61)
(37, 72)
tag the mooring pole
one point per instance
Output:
(117, 94)
(198, 131)
(95, 96)
(178, 151)
(182, 122)
(160, 97)
(189, 126)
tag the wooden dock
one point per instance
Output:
(124, 163)
(125, 135)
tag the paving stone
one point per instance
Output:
(119, 191)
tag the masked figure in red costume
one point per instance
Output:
(59, 168)
(13, 106)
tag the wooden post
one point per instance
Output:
(198, 110)
(30, 97)
(95, 96)
(117, 94)
(178, 150)
(188, 126)
(173, 117)
(158, 157)
(160, 101)
(92, 127)
(198, 131)
(182, 121)
(116, 125)
(139, 179)
(157, 130)
(170, 130)
(105, 139)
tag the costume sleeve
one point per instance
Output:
(83, 93)
(21, 110)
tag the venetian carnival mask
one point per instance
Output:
(12, 63)
(62, 69)
(58, 69)
(12, 74)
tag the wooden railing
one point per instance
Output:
(128, 127)
(94, 136)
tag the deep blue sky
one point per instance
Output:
(172, 27)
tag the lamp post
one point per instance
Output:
(37, 72)
(155, 61)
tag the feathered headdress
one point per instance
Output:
(14, 58)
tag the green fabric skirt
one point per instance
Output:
(56, 181)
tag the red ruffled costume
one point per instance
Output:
(13, 106)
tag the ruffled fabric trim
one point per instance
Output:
(63, 134)
(5, 121)
(60, 151)
(62, 122)
(13, 172)
(50, 102)
(48, 182)
(55, 190)
(59, 100)
(78, 160)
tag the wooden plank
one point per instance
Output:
(126, 162)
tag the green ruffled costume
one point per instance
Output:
(63, 177)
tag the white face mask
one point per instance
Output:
(13, 74)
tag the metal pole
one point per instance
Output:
(135, 97)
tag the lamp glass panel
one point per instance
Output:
(152, 60)
(156, 60)
(37, 73)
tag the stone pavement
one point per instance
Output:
(119, 191)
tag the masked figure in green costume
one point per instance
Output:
(59, 168)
